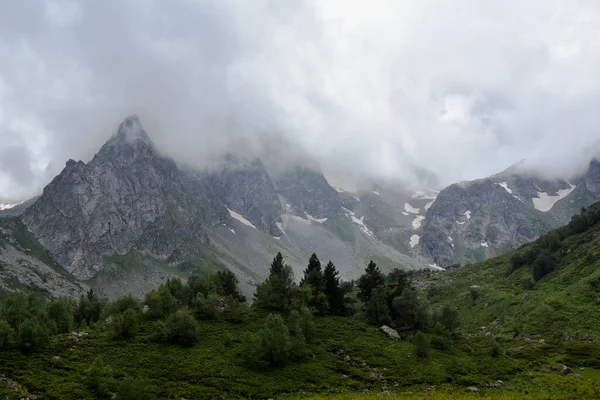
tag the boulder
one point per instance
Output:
(392, 334)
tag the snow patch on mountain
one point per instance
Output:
(509, 190)
(545, 203)
(376, 192)
(414, 240)
(360, 222)
(319, 220)
(467, 214)
(240, 218)
(428, 205)
(411, 209)
(435, 266)
(417, 222)
(485, 244)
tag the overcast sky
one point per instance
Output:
(383, 88)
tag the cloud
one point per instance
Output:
(385, 89)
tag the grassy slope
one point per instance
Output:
(213, 369)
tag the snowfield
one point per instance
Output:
(240, 218)
(544, 203)
(414, 240)
(416, 224)
(410, 209)
(467, 214)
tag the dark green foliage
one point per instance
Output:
(307, 324)
(180, 328)
(99, 378)
(60, 314)
(16, 310)
(161, 303)
(200, 284)
(409, 312)
(7, 334)
(207, 306)
(449, 318)
(275, 340)
(313, 275)
(33, 335)
(397, 281)
(376, 309)
(422, 345)
(228, 285)
(496, 350)
(371, 279)
(236, 311)
(125, 325)
(89, 308)
(121, 305)
(543, 265)
(276, 292)
(178, 290)
(333, 291)
(474, 294)
(134, 389)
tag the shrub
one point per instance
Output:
(208, 305)
(134, 389)
(33, 335)
(271, 346)
(236, 311)
(122, 304)
(422, 347)
(180, 328)
(60, 313)
(125, 325)
(7, 333)
(99, 378)
(496, 350)
(161, 303)
(377, 310)
(449, 318)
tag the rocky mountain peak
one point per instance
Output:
(130, 140)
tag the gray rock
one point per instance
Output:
(473, 389)
(390, 333)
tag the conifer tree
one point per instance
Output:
(371, 279)
(333, 291)
(313, 275)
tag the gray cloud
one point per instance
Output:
(385, 89)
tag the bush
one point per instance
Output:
(441, 342)
(134, 389)
(125, 325)
(449, 318)
(60, 313)
(496, 350)
(422, 347)
(474, 294)
(180, 328)
(99, 378)
(33, 335)
(527, 284)
(271, 346)
(122, 304)
(161, 303)
(236, 312)
(543, 265)
(208, 305)
(376, 309)
(7, 333)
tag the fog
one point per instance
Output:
(413, 91)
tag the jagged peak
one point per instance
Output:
(130, 132)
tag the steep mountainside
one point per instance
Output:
(26, 265)
(547, 289)
(472, 221)
(131, 217)
(128, 197)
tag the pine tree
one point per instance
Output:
(277, 265)
(333, 291)
(313, 275)
(275, 293)
(369, 281)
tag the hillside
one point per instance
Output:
(524, 332)
(506, 299)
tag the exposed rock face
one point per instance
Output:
(247, 188)
(25, 264)
(308, 192)
(127, 197)
(480, 219)
(586, 193)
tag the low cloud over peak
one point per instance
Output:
(389, 90)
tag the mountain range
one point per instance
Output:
(131, 217)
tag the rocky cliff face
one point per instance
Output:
(247, 188)
(308, 192)
(127, 197)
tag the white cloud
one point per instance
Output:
(383, 88)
